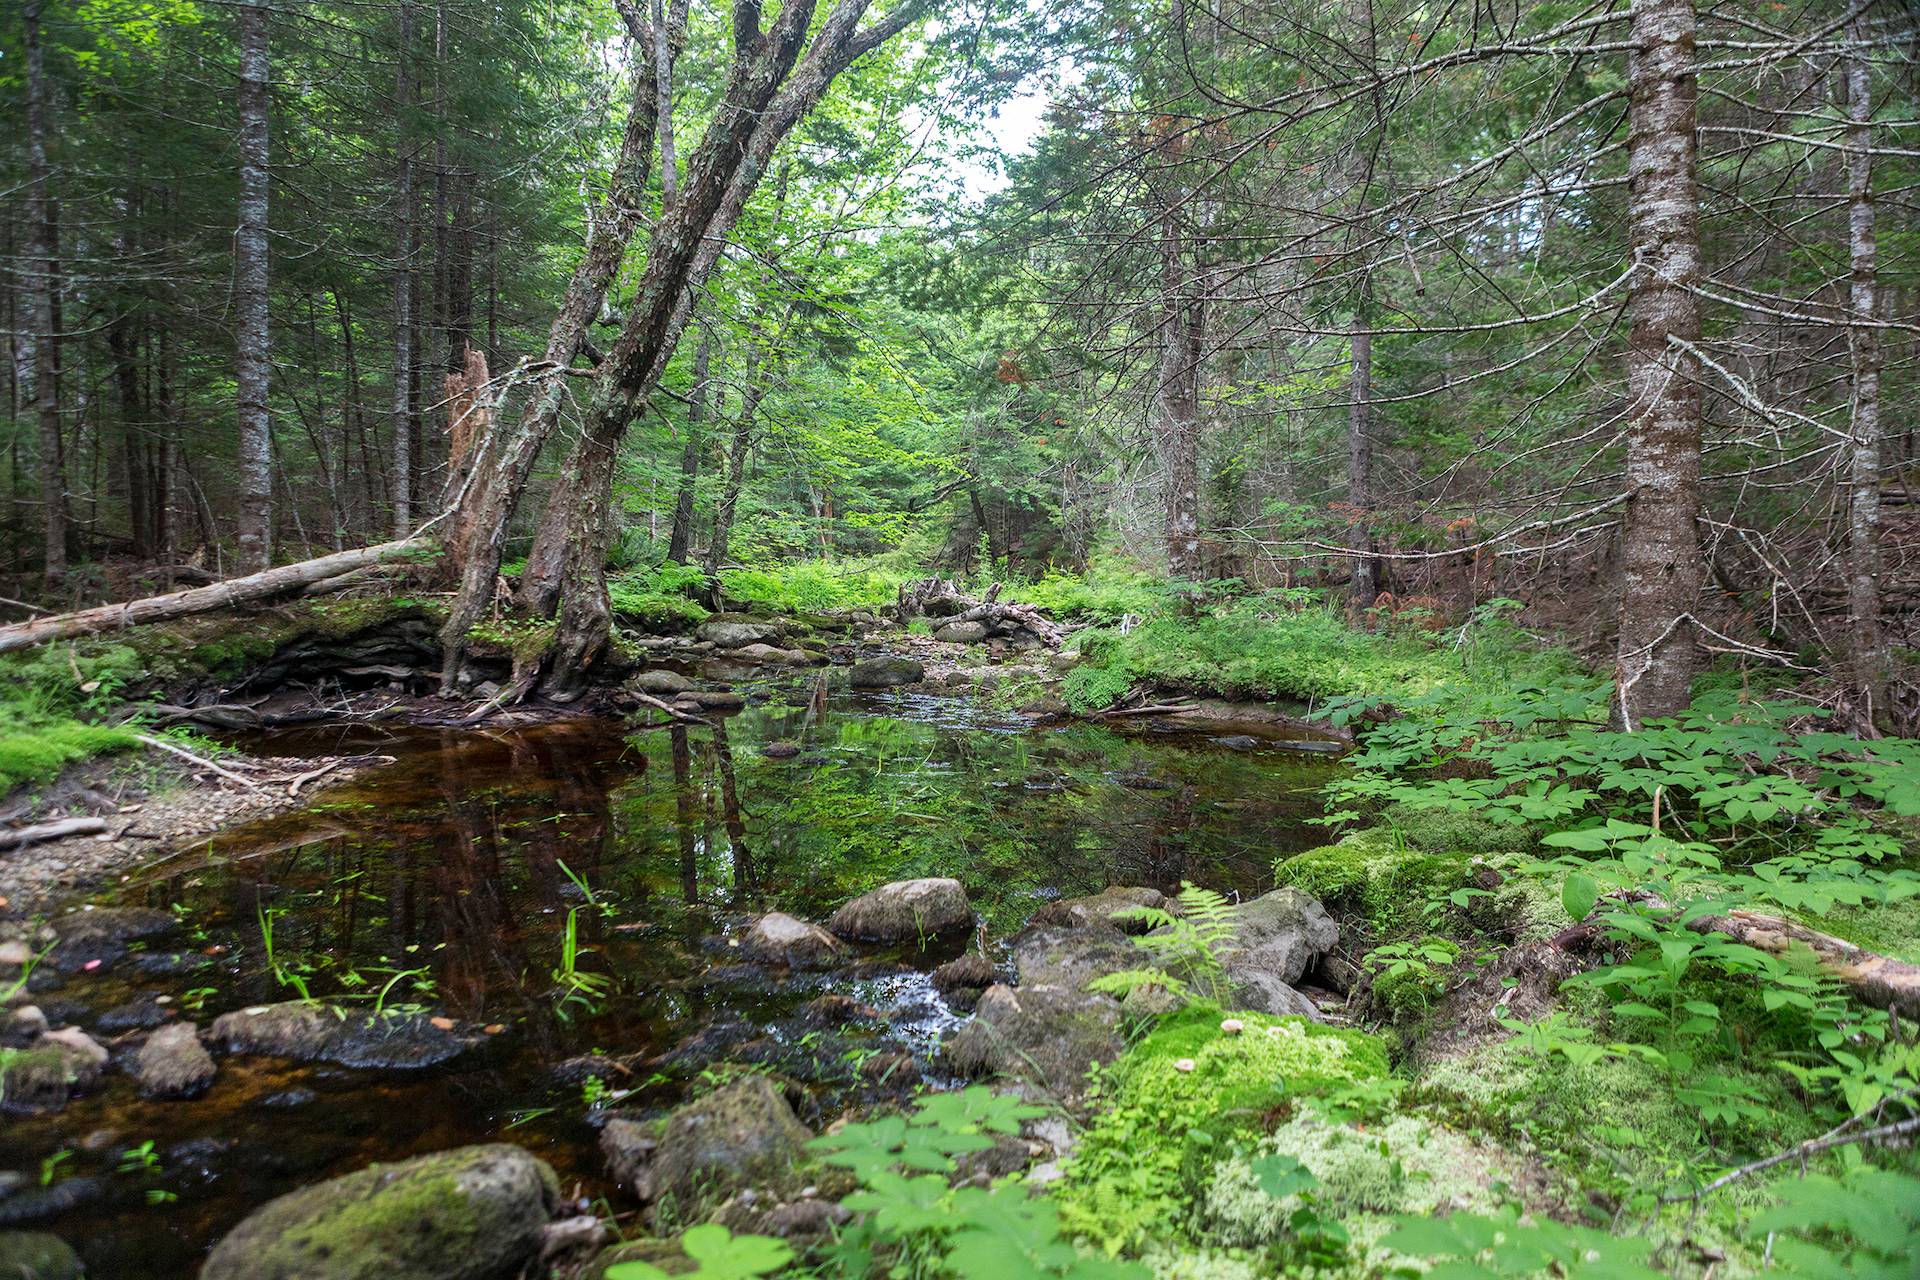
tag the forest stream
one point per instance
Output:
(446, 885)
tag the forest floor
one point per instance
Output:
(1518, 1001)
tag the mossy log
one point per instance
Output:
(250, 589)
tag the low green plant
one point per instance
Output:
(717, 1254)
(284, 972)
(578, 990)
(1187, 942)
(927, 1227)
(1410, 976)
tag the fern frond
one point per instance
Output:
(1126, 981)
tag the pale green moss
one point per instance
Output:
(1376, 877)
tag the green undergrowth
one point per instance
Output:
(816, 586)
(1294, 646)
(1180, 1100)
(659, 598)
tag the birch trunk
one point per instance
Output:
(1865, 634)
(1661, 562)
(252, 368)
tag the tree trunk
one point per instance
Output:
(1364, 586)
(690, 454)
(401, 481)
(1177, 430)
(502, 466)
(1661, 562)
(737, 451)
(252, 366)
(124, 344)
(42, 290)
(1865, 636)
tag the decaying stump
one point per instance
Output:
(943, 598)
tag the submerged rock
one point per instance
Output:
(1049, 1036)
(1101, 908)
(778, 938)
(139, 1014)
(769, 653)
(905, 911)
(780, 749)
(57, 1067)
(102, 934)
(36, 1255)
(174, 1064)
(473, 1213)
(311, 1032)
(739, 1135)
(886, 673)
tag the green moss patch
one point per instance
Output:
(1373, 876)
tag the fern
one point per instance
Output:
(1189, 942)
(1127, 981)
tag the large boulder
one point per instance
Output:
(173, 1064)
(769, 653)
(1101, 908)
(905, 911)
(740, 1135)
(473, 1213)
(659, 680)
(732, 632)
(313, 1032)
(1049, 1036)
(778, 938)
(886, 673)
(36, 1255)
(1046, 956)
(962, 633)
(1276, 938)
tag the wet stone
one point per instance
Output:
(37, 1255)
(174, 1064)
(350, 1038)
(778, 938)
(103, 934)
(37, 1204)
(138, 1014)
(905, 911)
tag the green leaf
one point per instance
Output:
(1578, 894)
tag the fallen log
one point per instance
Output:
(1881, 981)
(1877, 980)
(183, 604)
(22, 836)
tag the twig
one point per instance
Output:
(52, 831)
(1836, 1137)
(673, 711)
(310, 775)
(168, 747)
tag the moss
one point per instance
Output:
(1891, 928)
(1607, 1125)
(33, 752)
(1372, 876)
(1453, 831)
(1407, 1165)
(524, 641)
(1175, 1100)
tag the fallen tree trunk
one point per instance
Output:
(184, 604)
(1881, 981)
(1877, 980)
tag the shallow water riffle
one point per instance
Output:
(568, 895)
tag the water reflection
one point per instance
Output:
(453, 879)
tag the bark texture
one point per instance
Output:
(403, 285)
(43, 283)
(1659, 648)
(252, 367)
(1866, 638)
(182, 604)
(1177, 411)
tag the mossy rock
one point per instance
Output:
(473, 1213)
(1370, 877)
(742, 1134)
(36, 1255)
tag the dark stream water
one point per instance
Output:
(448, 880)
